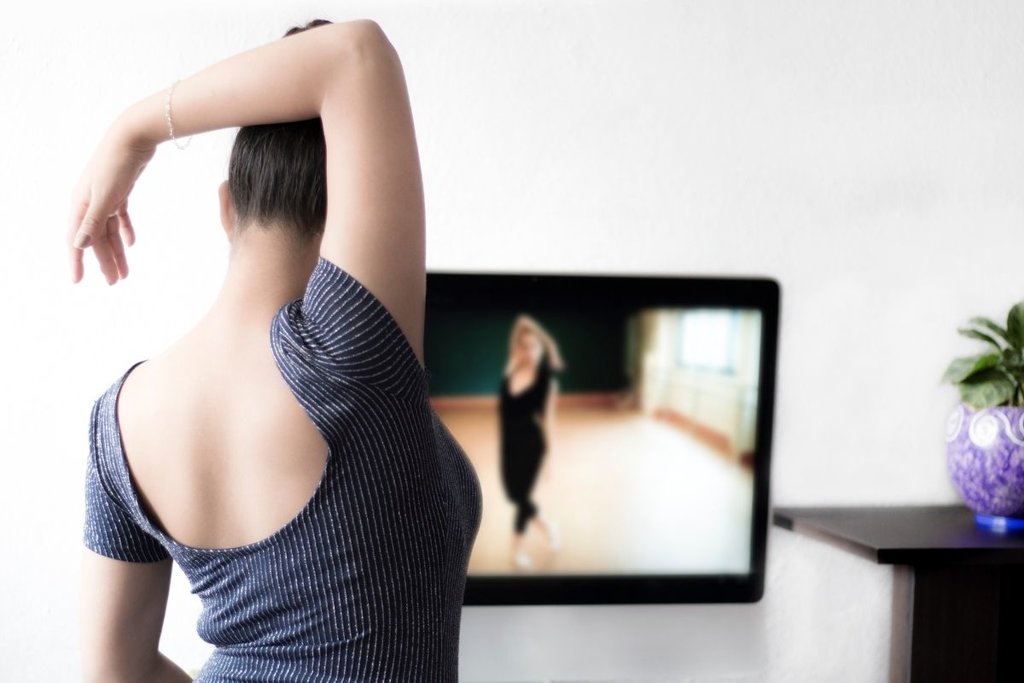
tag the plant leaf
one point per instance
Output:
(962, 368)
(975, 334)
(988, 388)
(1015, 326)
(1012, 358)
(981, 321)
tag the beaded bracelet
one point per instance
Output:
(170, 122)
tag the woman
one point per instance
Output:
(283, 452)
(526, 410)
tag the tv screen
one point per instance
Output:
(620, 428)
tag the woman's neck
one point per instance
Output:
(264, 273)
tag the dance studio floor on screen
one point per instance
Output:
(628, 492)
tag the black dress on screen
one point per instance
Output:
(522, 441)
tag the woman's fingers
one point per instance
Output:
(127, 229)
(117, 248)
(104, 250)
(93, 224)
(105, 237)
(75, 261)
(74, 254)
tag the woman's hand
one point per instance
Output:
(99, 203)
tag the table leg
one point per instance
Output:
(957, 623)
(899, 641)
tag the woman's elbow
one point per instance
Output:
(364, 38)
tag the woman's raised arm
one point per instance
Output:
(350, 76)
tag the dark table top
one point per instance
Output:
(912, 535)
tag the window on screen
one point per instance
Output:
(707, 340)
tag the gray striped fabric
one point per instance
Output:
(366, 582)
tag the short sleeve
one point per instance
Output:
(340, 327)
(109, 528)
(110, 531)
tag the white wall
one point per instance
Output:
(869, 154)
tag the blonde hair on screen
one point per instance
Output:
(523, 324)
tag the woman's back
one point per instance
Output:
(220, 450)
(347, 586)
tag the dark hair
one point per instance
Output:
(277, 172)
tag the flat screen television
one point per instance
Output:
(620, 427)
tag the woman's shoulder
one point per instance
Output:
(341, 328)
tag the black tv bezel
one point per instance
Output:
(450, 288)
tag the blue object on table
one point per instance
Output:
(998, 523)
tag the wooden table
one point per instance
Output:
(958, 597)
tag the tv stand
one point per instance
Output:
(958, 597)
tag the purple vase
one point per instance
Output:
(985, 456)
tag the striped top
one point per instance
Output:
(366, 582)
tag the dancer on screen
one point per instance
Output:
(527, 413)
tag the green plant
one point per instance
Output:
(996, 377)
